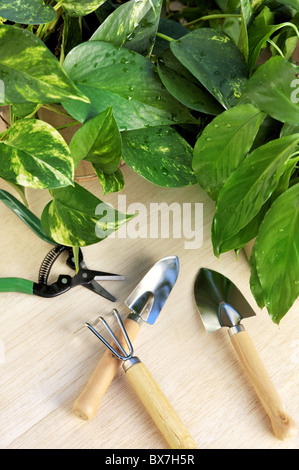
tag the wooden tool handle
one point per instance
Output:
(87, 403)
(283, 426)
(159, 408)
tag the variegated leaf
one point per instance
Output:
(34, 154)
(110, 183)
(81, 7)
(99, 142)
(160, 155)
(75, 217)
(29, 70)
(29, 12)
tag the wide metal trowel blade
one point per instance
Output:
(212, 291)
(150, 295)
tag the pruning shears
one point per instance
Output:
(84, 277)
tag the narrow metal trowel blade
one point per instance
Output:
(150, 295)
(212, 291)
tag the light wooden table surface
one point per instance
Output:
(44, 365)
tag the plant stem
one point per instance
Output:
(34, 112)
(76, 257)
(2, 135)
(211, 17)
(55, 110)
(43, 28)
(65, 126)
(255, 3)
(292, 26)
(276, 47)
(58, 5)
(163, 36)
(11, 115)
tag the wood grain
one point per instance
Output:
(44, 366)
(87, 403)
(159, 408)
(283, 425)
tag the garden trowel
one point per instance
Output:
(221, 304)
(145, 303)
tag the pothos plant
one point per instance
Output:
(183, 96)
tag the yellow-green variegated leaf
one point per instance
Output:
(75, 217)
(81, 7)
(35, 155)
(29, 12)
(30, 72)
(110, 183)
(99, 142)
(160, 155)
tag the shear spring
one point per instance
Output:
(48, 262)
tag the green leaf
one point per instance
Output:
(246, 16)
(205, 53)
(277, 254)
(118, 26)
(71, 36)
(170, 28)
(133, 24)
(29, 12)
(223, 144)
(183, 86)
(99, 142)
(246, 234)
(21, 110)
(291, 3)
(25, 215)
(30, 71)
(258, 34)
(288, 129)
(249, 187)
(81, 7)
(159, 155)
(34, 154)
(21, 190)
(273, 88)
(127, 81)
(75, 217)
(110, 183)
(142, 39)
(255, 285)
